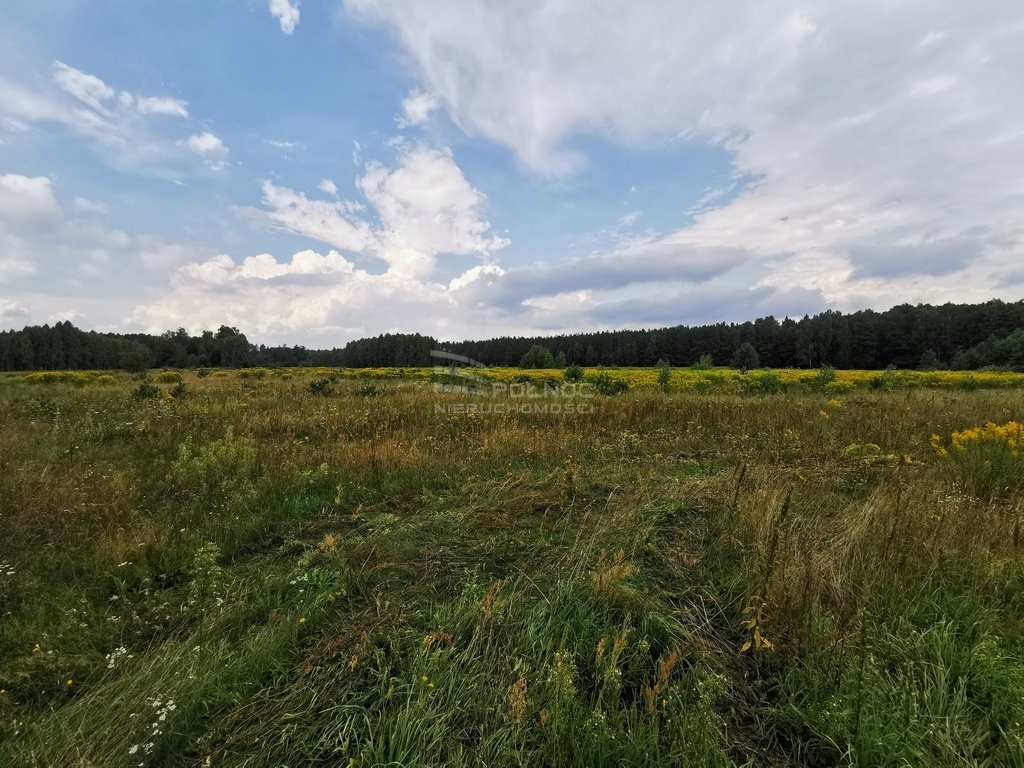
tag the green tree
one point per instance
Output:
(664, 374)
(538, 357)
(745, 357)
(704, 363)
(135, 358)
(929, 361)
(573, 373)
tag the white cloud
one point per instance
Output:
(161, 105)
(416, 108)
(119, 126)
(87, 88)
(279, 144)
(287, 13)
(870, 136)
(331, 222)
(205, 143)
(12, 313)
(27, 203)
(425, 207)
(43, 250)
(328, 186)
(324, 299)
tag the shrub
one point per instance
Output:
(202, 373)
(606, 385)
(146, 391)
(767, 383)
(322, 387)
(825, 376)
(704, 363)
(369, 389)
(178, 390)
(664, 374)
(573, 373)
(888, 379)
(168, 377)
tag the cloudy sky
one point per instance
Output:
(316, 171)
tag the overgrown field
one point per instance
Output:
(267, 569)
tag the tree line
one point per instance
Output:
(960, 336)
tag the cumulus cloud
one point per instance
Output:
(425, 207)
(322, 298)
(328, 186)
(27, 203)
(287, 14)
(871, 141)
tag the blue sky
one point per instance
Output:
(316, 171)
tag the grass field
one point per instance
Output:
(235, 570)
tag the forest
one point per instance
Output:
(955, 336)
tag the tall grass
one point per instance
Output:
(254, 574)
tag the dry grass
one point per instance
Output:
(703, 577)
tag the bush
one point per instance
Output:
(178, 390)
(705, 363)
(825, 377)
(888, 379)
(369, 389)
(168, 377)
(573, 373)
(202, 373)
(664, 374)
(322, 387)
(146, 391)
(767, 383)
(606, 385)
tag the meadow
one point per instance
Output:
(327, 567)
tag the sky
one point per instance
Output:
(316, 171)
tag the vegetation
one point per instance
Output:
(745, 357)
(538, 356)
(962, 337)
(254, 574)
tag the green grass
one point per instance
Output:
(254, 574)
